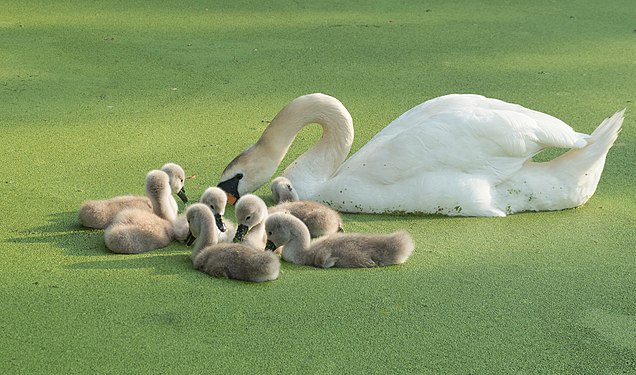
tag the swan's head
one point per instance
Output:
(247, 172)
(177, 179)
(278, 229)
(250, 211)
(196, 215)
(216, 199)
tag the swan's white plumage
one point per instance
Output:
(457, 154)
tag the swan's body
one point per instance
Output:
(229, 260)
(348, 250)
(135, 231)
(455, 155)
(283, 190)
(251, 213)
(99, 214)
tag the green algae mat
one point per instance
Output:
(95, 94)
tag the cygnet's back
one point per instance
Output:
(353, 250)
(335, 250)
(99, 214)
(319, 219)
(147, 232)
(238, 261)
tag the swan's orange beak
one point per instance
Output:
(231, 198)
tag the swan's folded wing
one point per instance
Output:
(490, 142)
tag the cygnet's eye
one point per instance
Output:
(239, 176)
(269, 233)
(248, 217)
(212, 207)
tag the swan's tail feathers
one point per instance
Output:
(584, 166)
(607, 132)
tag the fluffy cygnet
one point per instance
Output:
(135, 231)
(99, 214)
(229, 260)
(319, 219)
(216, 199)
(251, 213)
(283, 191)
(351, 250)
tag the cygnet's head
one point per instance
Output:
(177, 179)
(250, 211)
(283, 191)
(216, 199)
(278, 229)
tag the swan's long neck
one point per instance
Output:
(318, 163)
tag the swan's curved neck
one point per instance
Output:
(318, 163)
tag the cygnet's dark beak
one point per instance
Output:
(241, 231)
(182, 195)
(270, 246)
(219, 222)
(231, 188)
(190, 239)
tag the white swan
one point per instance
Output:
(456, 155)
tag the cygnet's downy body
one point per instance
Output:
(347, 250)
(99, 214)
(135, 231)
(319, 219)
(227, 260)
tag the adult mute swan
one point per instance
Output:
(458, 154)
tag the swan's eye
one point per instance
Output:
(239, 176)
(212, 207)
(269, 233)
(249, 217)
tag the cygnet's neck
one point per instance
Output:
(163, 203)
(207, 234)
(297, 249)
